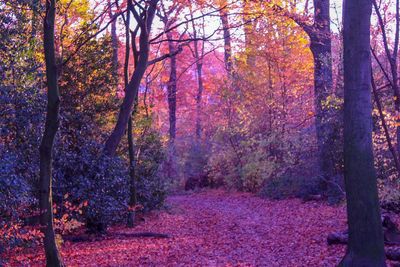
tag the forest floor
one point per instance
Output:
(216, 228)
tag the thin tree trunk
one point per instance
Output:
(199, 67)
(35, 10)
(172, 90)
(198, 54)
(114, 41)
(227, 40)
(365, 247)
(129, 133)
(53, 257)
(392, 58)
(385, 127)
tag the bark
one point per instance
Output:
(198, 53)
(131, 145)
(114, 41)
(199, 67)
(53, 257)
(248, 29)
(227, 41)
(365, 246)
(321, 48)
(132, 88)
(172, 90)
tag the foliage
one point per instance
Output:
(86, 175)
(194, 168)
(151, 187)
(290, 186)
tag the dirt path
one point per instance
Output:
(215, 228)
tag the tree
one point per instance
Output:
(144, 20)
(198, 54)
(53, 257)
(365, 247)
(319, 33)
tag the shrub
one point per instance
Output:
(88, 175)
(151, 188)
(288, 186)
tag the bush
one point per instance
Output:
(151, 188)
(88, 175)
(15, 199)
(195, 167)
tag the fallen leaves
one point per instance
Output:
(216, 228)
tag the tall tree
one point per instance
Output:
(198, 54)
(53, 257)
(319, 33)
(114, 39)
(223, 14)
(144, 17)
(365, 246)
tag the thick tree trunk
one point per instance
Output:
(321, 48)
(365, 247)
(132, 88)
(53, 257)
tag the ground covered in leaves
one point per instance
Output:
(216, 228)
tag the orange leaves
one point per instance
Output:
(216, 228)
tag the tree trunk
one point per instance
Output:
(114, 41)
(200, 89)
(132, 88)
(227, 40)
(321, 48)
(248, 29)
(365, 247)
(172, 90)
(35, 10)
(53, 257)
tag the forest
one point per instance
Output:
(200, 133)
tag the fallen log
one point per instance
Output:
(91, 238)
(393, 254)
(391, 233)
(141, 234)
(337, 238)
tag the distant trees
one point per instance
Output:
(365, 247)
